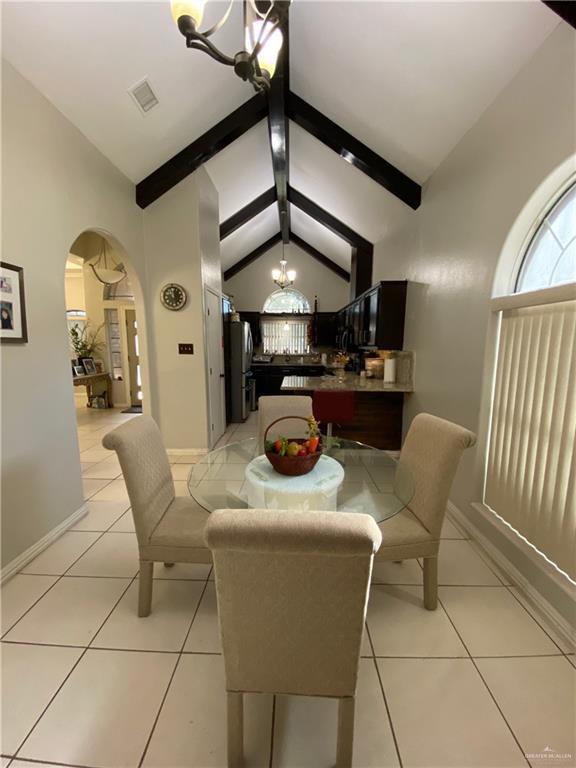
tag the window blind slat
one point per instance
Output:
(530, 467)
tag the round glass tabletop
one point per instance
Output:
(373, 482)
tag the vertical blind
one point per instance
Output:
(530, 480)
(285, 336)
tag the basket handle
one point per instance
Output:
(282, 418)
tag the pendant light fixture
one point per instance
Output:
(283, 277)
(262, 37)
(107, 273)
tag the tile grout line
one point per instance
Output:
(386, 706)
(273, 725)
(481, 676)
(59, 578)
(67, 677)
(543, 628)
(176, 665)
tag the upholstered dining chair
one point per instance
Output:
(272, 407)
(430, 455)
(169, 528)
(292, 593)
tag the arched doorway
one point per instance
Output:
(106, 355)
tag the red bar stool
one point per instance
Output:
(329, 407)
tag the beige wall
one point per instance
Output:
(253, 284)
(55, 186)
(450, 247)
(176, 252)
(74, 290)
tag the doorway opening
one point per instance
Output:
(105, 352)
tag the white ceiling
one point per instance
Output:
(244, 240)
(407, 78)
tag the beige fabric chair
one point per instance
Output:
(292, 594)
(169, 529)
(430, 454)
(272, 407)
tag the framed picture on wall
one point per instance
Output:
(12, 305)
(89, 367)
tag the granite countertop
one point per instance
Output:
(351, 382)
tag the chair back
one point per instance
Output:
(272, 407)
(292, 594)
(431, 454)
(334, 406)
(146, 471)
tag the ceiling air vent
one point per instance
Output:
(143, 95)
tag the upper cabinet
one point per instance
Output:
(375, 319)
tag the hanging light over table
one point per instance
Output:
(262, 37)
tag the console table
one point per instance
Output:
(89, 379)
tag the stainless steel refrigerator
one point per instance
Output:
(240, 373)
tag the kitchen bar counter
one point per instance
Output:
(377, 408)
(351, 382)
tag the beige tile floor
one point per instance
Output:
(482, 681)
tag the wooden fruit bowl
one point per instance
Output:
(293, 466)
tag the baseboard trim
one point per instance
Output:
(184, 451)
(29, 554)
(516, 577)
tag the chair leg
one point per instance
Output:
(431, 583)
(345, 746)
(145, 588)
(168, 565)
(235, 703)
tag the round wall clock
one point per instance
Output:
(173, 296)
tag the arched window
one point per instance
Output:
(286, 301)
(550, 259)
(530, 467)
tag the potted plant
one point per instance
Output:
(85, 342)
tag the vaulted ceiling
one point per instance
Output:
(407, 79)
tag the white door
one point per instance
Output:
(215, 365)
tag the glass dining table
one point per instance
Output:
(368, 480)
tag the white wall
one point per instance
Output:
(450, 246)
(174, 249)
(253, 284)
(55, 186)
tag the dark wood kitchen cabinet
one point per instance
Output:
(376, 318)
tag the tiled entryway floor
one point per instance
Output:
(482, 681)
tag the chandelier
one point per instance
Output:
(283, 277)
(262, 37)
(108, 274)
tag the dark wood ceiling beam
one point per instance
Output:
(198, 152)
(327, 219)
(566, 9)
(249, 211)
(255, 254)
(353, 151)
(324, 260)
(278, 125)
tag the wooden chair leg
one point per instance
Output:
(345, 745)
(145, 588)
(431, 583)
(235, 729)
(168, 565)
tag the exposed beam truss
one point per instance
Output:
(566, 9)
(249, 211)
(200, 151)
(279, 128)
(353, 151)
(300, 242)
(252, 256)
